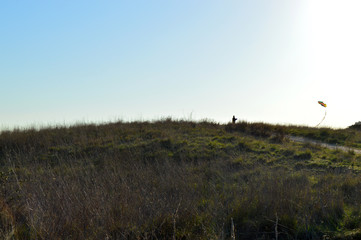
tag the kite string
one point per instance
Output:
(322, 118)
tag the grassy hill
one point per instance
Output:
(179, 180)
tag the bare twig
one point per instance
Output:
(175, 215)
(233, 235)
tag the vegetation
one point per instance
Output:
(179, 180)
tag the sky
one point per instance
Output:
(67, 62)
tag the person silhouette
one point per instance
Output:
(234, 119)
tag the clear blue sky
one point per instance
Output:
(63, 62)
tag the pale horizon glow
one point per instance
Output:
(63, 63)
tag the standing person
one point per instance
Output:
(234, 119)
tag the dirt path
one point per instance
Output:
(327, 145)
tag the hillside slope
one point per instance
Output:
(179, 180)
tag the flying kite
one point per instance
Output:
(323, 105)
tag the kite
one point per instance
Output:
(323, 105)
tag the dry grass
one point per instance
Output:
(173, 180)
